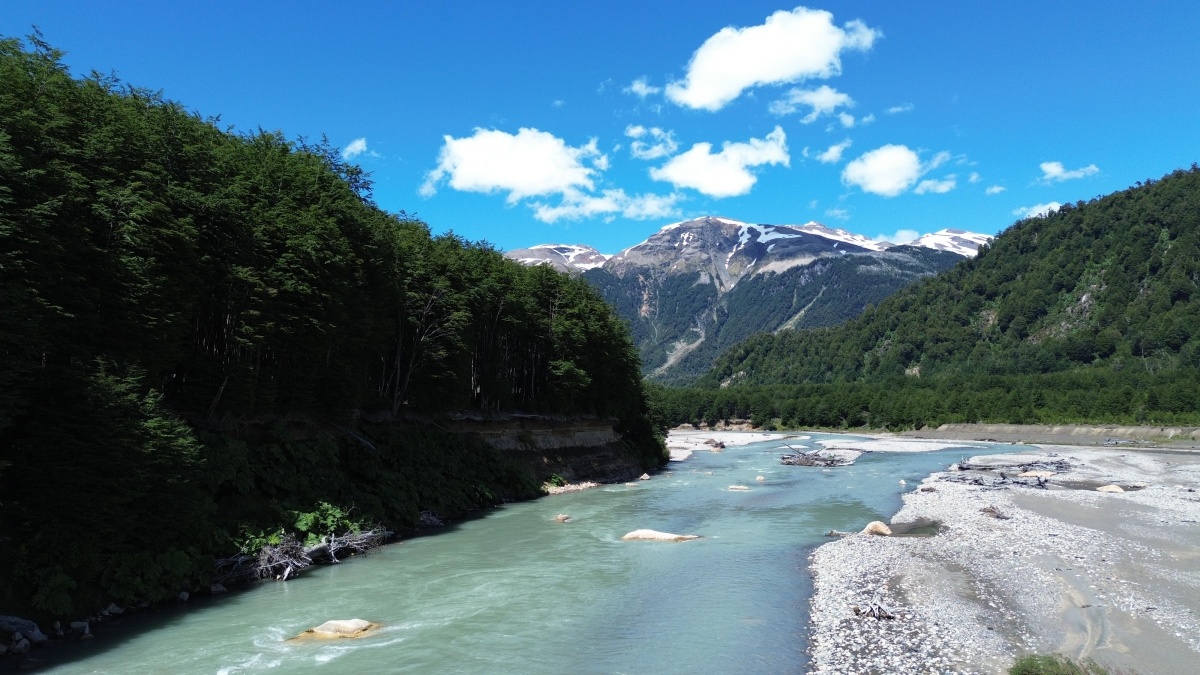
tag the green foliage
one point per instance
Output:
(1055, 664)
(194, 325)
(556, 480)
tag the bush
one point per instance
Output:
(1055, 664)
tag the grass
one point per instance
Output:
(1056, 664)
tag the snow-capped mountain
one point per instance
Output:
(696, 287)
(563, 257)
(955, 241)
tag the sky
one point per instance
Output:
(520, 123)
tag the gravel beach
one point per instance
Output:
(1021, 565)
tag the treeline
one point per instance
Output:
(205, 333)
(1088, 315)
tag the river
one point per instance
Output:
(516, 592)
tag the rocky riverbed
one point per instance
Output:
(997, 565)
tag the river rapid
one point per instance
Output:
(516, 592)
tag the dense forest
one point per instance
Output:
(1088, 314)
(209, 337)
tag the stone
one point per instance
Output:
(759, 478)
(217, 588)
(644, 476)
(113, 609)
(1110, 488)
(183, 596)
(80, 627)
(562, 518)
(738, 487)
(340, 628)
(19, 644)
(26, 628)
(631, 485)
(654, 535)
(877, 528)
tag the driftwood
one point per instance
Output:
(993, 512)
(874, 610)
(814, 458)
(289, 557)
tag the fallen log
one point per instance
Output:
(874, 610)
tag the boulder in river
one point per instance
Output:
(562, 518)
(26, 628)
(878, 528)
(654, 535)
(644, 476)
(1110, 488)
(340, 628)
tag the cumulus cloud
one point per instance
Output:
(357, 147)
(994, 190)
(789, 47)
(650, 143)
(726, 173)
(1055, 172)
(833, 154)
(529, 163)
(641, 88)
(900, 237)
(886, 171)
(576, 205)
(902, 108)
(893, 169)
(846, 119)
(1037, 210)
(936, 187)
(824, 100)
(974, 177)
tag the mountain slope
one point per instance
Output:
(1111, 283)
(697, 287)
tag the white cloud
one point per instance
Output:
(868, 119)
(938, 160)
(886, 171)
(902, 108)
(577, 205)
(839, 213)
(994, 190)
(660, 144)
(833, 154)
(1037, 210)
(937, 187)
(974, 177)
(726, 173)
(558, 103)
(528, 164)
(823, 100)
(846, 119)
(900, 237)
(641, 88)
(1055, 172)
(357, 147)
(789, 47)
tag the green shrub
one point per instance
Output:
(1055, 664)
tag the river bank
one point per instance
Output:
(1106, 575)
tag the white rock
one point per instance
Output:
(562, 518)
(738, 487)
(876, 527)
(644, 476)
(342, 628)
(1110, 488)
(759, 478)
(654, 535)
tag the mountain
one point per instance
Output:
(1108, 287)
(697, 287)
(562, 257)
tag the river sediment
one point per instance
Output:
(1020, 565)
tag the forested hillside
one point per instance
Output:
(208, 336)
(1089, 314)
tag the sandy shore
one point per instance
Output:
(1110, 576)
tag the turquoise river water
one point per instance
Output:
(515, 592)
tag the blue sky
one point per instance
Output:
(597, 123)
